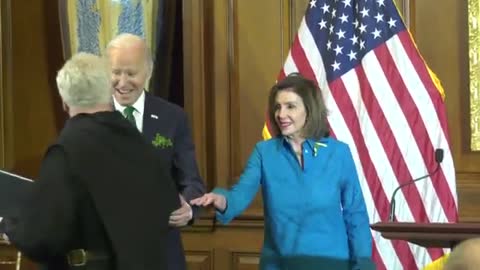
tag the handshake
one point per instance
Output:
(211, 199)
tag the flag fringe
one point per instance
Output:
(438, 264)
(265, 133)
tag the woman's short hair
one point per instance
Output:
(316, 125)
(84, 81)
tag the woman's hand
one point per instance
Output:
(218, 201)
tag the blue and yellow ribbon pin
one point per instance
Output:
(316, 146)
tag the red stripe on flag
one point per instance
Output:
(377, 258)
(301, 60)
(418, 129)
(421, 69)
(346, 108)
(281, 75)
(392, 149)
(448, 204)
(390, 146)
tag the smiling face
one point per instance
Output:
(129, 72)
(290, 113)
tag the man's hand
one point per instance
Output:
(182, 215)
(3, 236)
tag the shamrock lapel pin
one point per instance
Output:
(162, 142)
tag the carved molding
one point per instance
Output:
(474, 74)
(6, 131)
(195, 77)
(234, 109)
(244, 260)
(199, 259)
(468, 185)
(407, 11)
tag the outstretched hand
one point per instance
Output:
(218, 201)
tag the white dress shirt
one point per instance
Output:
(139, 106)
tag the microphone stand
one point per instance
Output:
(438, 159)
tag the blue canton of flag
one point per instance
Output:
(345, 30)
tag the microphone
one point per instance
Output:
(438, 160)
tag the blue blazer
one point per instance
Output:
(168, 123)
(315, 215)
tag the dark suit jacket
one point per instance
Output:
(170, 122)
(99, 190)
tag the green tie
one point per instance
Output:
(128, 111)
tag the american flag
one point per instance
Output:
(383, 101)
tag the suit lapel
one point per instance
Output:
(149, 121)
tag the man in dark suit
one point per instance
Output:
(98, 203)
(162, 123)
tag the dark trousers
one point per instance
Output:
(175, 254)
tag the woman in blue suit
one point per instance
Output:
(315, 214)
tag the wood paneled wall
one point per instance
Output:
(233, 51)
(30, 111)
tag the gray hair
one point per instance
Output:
(125, 40)
(84, 81)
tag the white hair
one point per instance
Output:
(464, 256)
(84, 81)
(126, 40)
